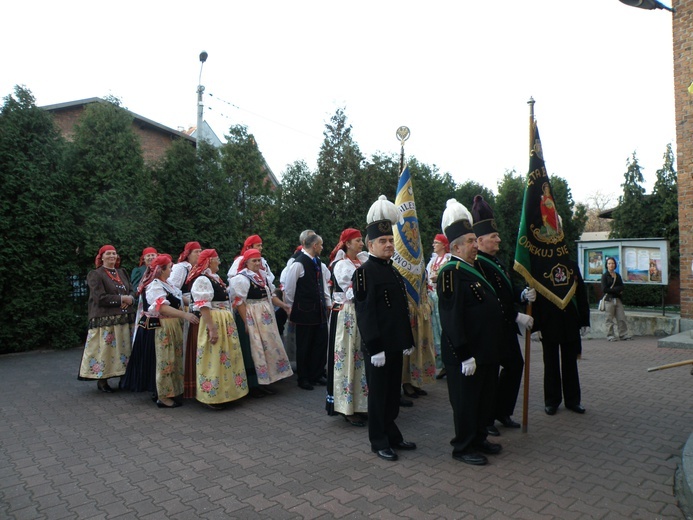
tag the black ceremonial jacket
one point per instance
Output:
(471, 316)
(382, 308)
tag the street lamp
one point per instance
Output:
(647, 4)
(200, 104)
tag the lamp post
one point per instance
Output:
(200, 104)
(647, 4)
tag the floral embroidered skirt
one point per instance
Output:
(220, 375)
(168, 344)
(266, 345)
(349, 380)
(107, 349)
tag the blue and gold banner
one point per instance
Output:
(408, 257)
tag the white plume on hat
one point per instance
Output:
(383, 209)
(454, 211)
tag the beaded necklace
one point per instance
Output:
(113, 275)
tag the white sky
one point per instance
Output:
(458, 74)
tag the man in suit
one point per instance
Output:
(472, 325)
(382, 316)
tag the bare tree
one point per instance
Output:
(596, 203)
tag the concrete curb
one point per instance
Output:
(683, 483)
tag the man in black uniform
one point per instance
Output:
(560, 333)
(472, 332)
(382, 316)
(510, 355)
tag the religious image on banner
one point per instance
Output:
(541, 255)
(409, 260)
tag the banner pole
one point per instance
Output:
(528, 334)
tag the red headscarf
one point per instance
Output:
(347, 234)
(250, 253)
(190, 246)
(147, 251)
(153, 271)
(443, 240)
(202, 264)
(250, 242)
(98, 262)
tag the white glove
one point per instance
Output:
(524, 321)
(584, 330)
(536, 336)
(529, 294)
(468, 367)
(408, 351)
(378, 360)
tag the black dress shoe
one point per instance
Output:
(508, 422)
(577, 408)
(473, 458)
(305, 385)
(354, 420)
(410, 393)
(489, 448)
(102, 385)
(405, 445)
(405, 402)
(159, 404)
(441, 374)
(419, 391)
(386, 454)
(267, 390)
(550, 410)
(492, 431)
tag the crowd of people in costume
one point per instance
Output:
(180, 331)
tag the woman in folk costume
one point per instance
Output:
(440, 256)
(220, 376)
(180, 272)
(254, 302)
(148, 254)
(347, 389)
(111, 314)
(252, 242)
(156, 363)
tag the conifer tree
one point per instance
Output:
(39, 300)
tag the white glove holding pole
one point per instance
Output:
(468, 367)
(528, 295)
(525, 321)
(378, 360)
(536, 336)
(408, 351)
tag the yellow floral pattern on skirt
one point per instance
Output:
(220, 374)
(106, 352)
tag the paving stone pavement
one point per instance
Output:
(68, 451)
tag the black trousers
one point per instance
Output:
(383, 401)
(511, 369)
(561, 372)
(311, 351)
(472, 399)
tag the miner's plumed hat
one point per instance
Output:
(457, 220)
(381, 217)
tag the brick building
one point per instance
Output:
(682, 32)
(155, 138)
